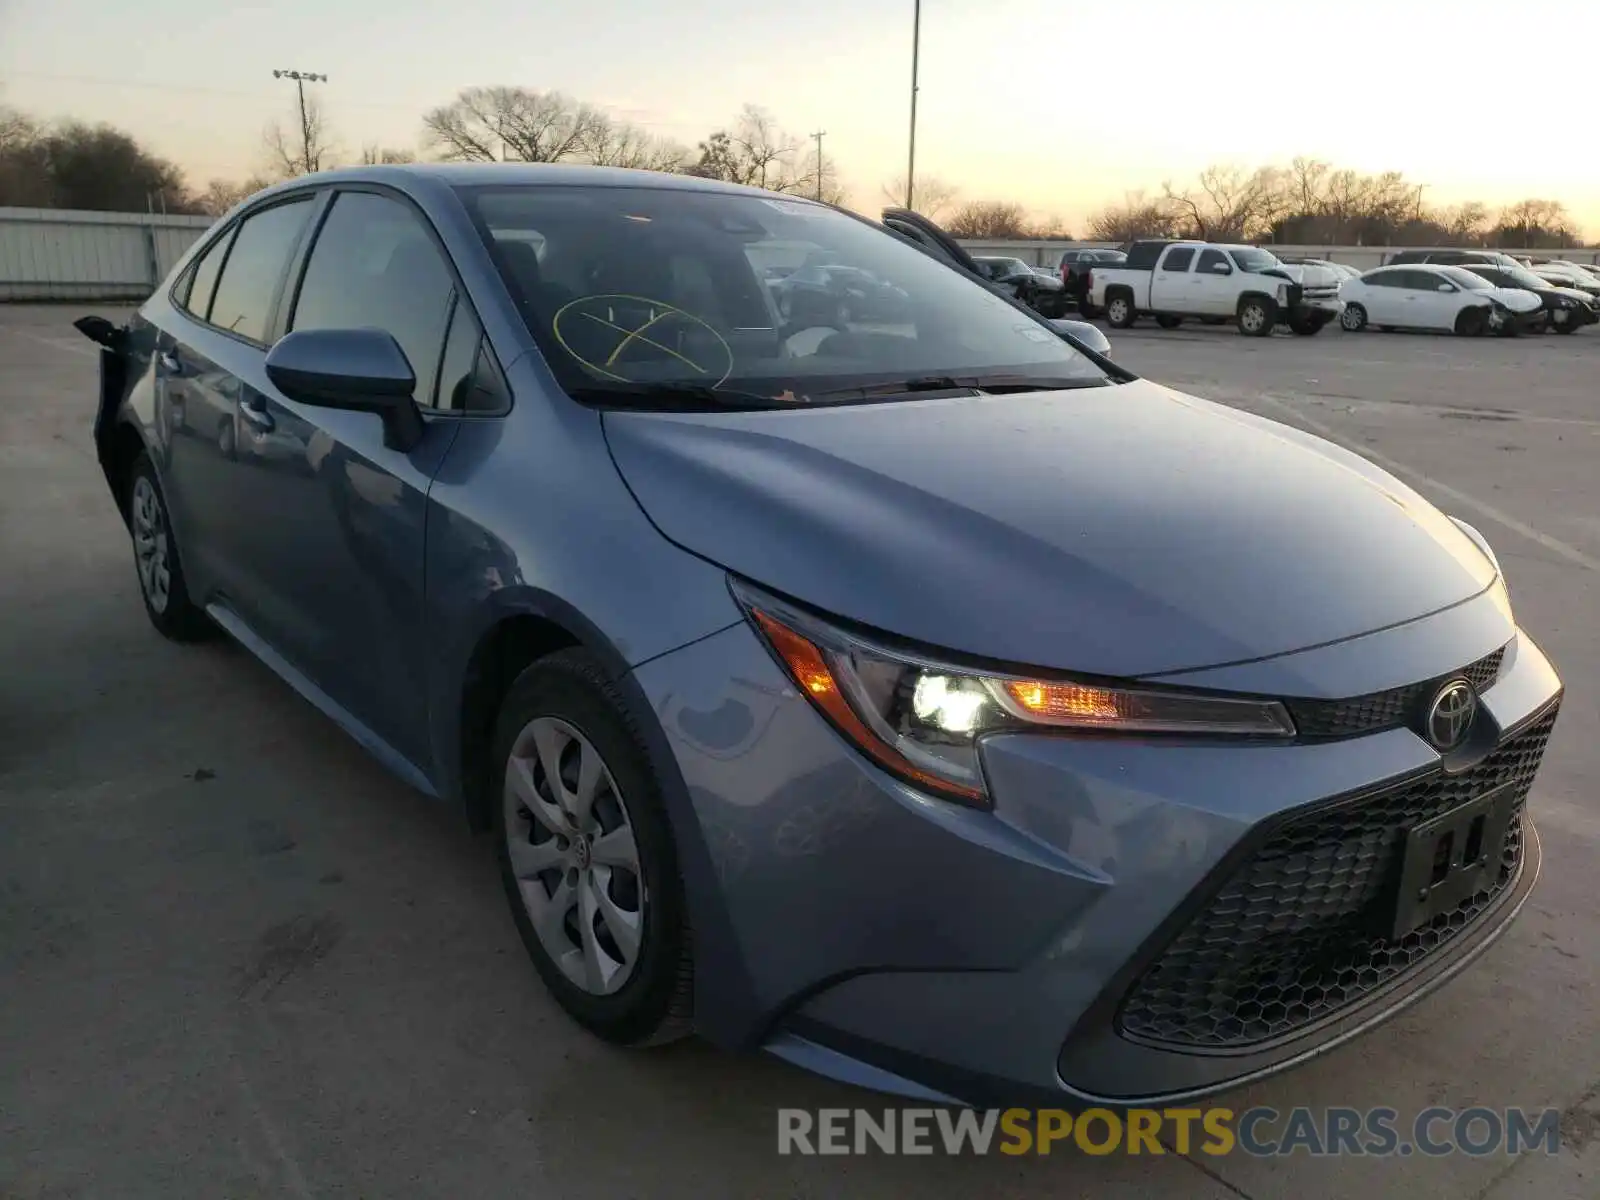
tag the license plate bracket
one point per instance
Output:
(1449, 857)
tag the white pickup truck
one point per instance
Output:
(1214, 282)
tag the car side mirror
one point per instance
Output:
(359, 370)
(1221, 269)
(1447, 287)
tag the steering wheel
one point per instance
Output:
(620, 336)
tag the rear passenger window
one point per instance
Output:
(203, 279)
(1178, 259)
(255, 266)
(374, 266)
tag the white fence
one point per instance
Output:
(65, 254)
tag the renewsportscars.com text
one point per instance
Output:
(1258, 1132)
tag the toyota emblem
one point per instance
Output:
(1450, 715)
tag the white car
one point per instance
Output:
(1564, 274)
(1426, 296)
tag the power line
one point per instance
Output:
(301, 78)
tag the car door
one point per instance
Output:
(343, 515)
(219, 337)
(1171, 283)
(1383, 297)
(1425, 305)
(1214, 289)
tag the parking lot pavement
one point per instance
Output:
(239, 960)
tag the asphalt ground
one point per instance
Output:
(237, 959)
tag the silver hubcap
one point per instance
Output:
(574, 856)
(1117, 310)
(150, 544)
(1351, 319)
(1253, 317)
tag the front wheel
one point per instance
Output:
(1353, 319)
(587, 855)
(1566, 326)
(1257, 316)
(1168, 322)
(1471, 322)
(1120, 313)
(1307, 325)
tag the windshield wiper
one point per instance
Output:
(689, 397)
(994, 385)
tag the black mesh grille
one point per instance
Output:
(1296, 935)
(1382, 710)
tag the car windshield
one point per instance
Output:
(665, 296)
(1466, 279)
(1520, 277)
(1252, 260)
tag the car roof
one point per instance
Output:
(525, 175)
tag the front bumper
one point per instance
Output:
(919, 947)
(1326, 307)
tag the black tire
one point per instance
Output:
(1353, 319)
(1471, 322)
(656, 1004)
(1257, 316)
(1307, 326)
(1167, 321)
(1086, 310)
(170, 610)
(1120, 313)
(1567, 326)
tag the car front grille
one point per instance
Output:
(1391, 709)
(1298, 931)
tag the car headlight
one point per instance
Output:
(1499, 592)
(922, 720)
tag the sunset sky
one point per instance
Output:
(1060, 104)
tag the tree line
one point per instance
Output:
(1311, 202)
(73, 165)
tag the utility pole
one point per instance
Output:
(819, 135)
(911, 163)
(301, 78)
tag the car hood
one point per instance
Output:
(1516, 299)
(1121, 530)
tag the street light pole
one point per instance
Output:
(301, 78)
(819, 135)
(911, 162)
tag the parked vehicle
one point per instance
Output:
(1174, 280)
(1451, 258)
(1565, 309)
(928, 237)
(1428, 296)
(1565, 274)
(1038, 291)
(1076, 268)
(810, 678)
(1342, 271)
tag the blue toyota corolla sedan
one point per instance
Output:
(916, 695)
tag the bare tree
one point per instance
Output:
(988, 219)
(1052, 228)
(613, 143)
(307, 148)
(1136, 217)
(490, 124)
(1536, 224)
(932, 197)
(1229, 202)
(1464, 223)
(755, 152)
(220, 195)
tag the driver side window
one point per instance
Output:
(1209, 259)
(375, 266)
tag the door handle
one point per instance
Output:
(253, 409)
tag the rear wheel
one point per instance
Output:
(1353, 319)
(1120, 312)
(1257, 315)
(1166, 321)
(1471, 322)
(155, 555)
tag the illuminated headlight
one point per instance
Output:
(922, 720)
